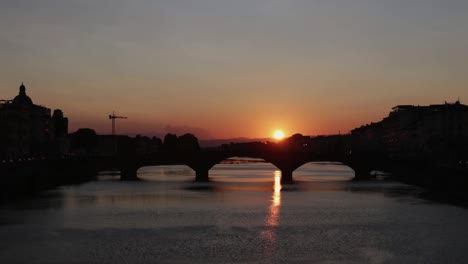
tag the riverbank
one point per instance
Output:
(23, 178)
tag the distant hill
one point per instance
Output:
(218, 142)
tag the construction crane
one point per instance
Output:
(113, 117)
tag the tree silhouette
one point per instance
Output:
(188, 143)
(157, 141)
(170, 142)
(84, 140)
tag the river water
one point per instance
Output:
(243, 215)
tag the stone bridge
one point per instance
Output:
(202, 161)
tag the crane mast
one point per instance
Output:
(113, 117)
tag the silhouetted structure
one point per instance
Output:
(412, 140)
(434, 131)
(286, 156)
(113, 117)
(84, 141)
(28, 129)
(60, 124)
(419, 144)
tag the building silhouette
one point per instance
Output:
(28, 129)
(437, 131)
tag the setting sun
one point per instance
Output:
(278, 134)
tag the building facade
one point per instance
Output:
(437, 131)
(27, 129)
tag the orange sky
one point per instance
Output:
(224, 69)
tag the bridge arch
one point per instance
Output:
(202, 162)
(234, 168)
(177, 172)
(324, 170)
(287, 163)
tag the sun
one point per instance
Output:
(278, 134)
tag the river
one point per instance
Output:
(243, 215)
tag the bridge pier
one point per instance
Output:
(201, 175)
(362, 174)
(286, 176)
(128, 174)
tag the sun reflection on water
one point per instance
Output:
(273, 216)
(272, 220)
(277, 189)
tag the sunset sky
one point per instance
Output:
(233, 68)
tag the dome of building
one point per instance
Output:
(22, 98)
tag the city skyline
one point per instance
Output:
(219, 69)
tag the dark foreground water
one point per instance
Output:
(243, 216)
